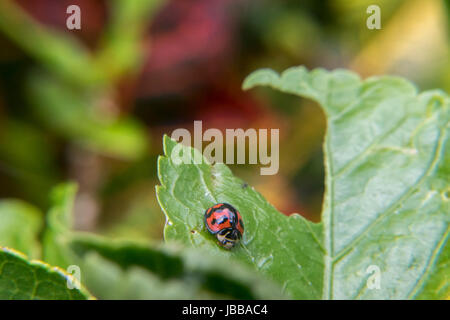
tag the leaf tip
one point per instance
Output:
(261, 77)
(168, 144)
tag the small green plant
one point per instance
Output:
(385, 208)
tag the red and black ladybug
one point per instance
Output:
(224, 221)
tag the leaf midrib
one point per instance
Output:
(327, 222)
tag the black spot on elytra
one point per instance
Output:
(223, 220)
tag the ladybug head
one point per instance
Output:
(228, 237)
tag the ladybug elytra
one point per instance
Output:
(225, 222)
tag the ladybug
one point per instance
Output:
(225, 222)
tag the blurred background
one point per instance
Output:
(91, 105)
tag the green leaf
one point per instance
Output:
(20, 226)
(24, 279)
(75, 115)
(387, 169)
(131, 270)
(55, 247)
(288, 249)
(385, 205)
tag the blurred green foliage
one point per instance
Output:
(111, 269)
(69, 94)
(92, 105)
